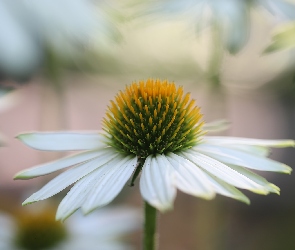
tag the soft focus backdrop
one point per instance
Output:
(246, 77)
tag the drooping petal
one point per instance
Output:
(157, 182)
(257, 178)
(216, 126)
(226, 189)
(105, 224)
(69, 177)
(21, 51)
(63, 141)
(190, 178)
(233, 18)
(224, 172)
(253, 150)
(225, 140)
(76, 197)
(90, 243)
(283, 9)
(110, 184)
(239, 158)
(51, 167)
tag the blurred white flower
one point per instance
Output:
(7, 99)
(20, 46)
(103, 229)
(231, 17)
(282, 9)
(29, 28)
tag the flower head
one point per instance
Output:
(39, 230)
(155, 129)
(153, 118)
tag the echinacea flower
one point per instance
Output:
(104, 229)
(152, 128)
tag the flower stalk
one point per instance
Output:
(150, 224)
(216, 56)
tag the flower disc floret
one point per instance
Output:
(37, 231)
(153, 117)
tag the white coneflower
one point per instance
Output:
(153, 128)
(104, 229)
(31, 29)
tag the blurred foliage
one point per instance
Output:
(155, 38)
(283, 39)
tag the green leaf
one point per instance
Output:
(283, 39)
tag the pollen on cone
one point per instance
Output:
(153, 117)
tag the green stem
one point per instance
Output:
(215, 59)
(53, 73)
(150, 214)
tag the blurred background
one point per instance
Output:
(61, 62)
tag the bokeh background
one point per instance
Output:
(62, 62)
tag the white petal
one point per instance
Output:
(7, 230)
(114, 222)
(216, 126)
(190, 178)
(79, 192)
(233, 18)
(235, 157)
(110, 184)
(223, 172)
(69, 177)
(61, 141)
(226, 189)
(21, 53)
(253, 150)
(76, 196)
(257, 178)
(285, 10)
(224, 140)
(90, 243)
(156, 182)
(51, 167)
